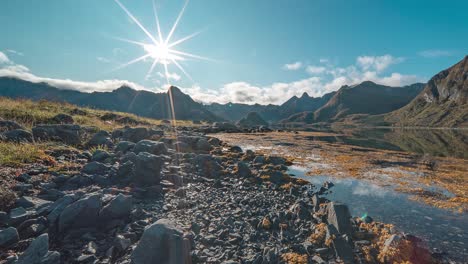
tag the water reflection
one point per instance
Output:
(440, 228)
(435, 142)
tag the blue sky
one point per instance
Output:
(269, 49)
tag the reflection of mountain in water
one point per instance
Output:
(445, 143)
(435, 142)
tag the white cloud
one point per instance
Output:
(332, 79)
(324, 60)
(103, 60)
(366, 68)
(378, 63)
(170, 75)
(15, 52)
(435, 53)
(4, 58)
(315, 69)
(293, 66)
(22, 72)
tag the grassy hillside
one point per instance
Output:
(29, 113)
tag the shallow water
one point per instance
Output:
(440, 228)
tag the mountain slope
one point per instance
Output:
(442, 103)
(123, 99)
(271, 113)
(366, 98)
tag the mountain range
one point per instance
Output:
(365, 98)
(440, 102)
(123, 99)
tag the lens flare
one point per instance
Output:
(161, 49)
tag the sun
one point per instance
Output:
(161, 49)
(159, 52)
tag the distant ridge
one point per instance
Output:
(366, 98)
(123, 99)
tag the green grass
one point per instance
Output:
(30, 113)
(15, 155)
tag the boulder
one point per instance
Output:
(147, 169)
(119, 207)
(340, 218)
(82, 213)
(243, 170)
(69, 134)
(18, 135)
(101, 138)
(208, 166)
(153, 147)
(63, 119)
(8, 237)
(124, 146)
(100, 155)
(203, 145)
(36, 251)
(134, 134)
(95, 167)
(29, 201)
(7, 125)
(162, 243)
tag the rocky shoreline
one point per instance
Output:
(149, 195)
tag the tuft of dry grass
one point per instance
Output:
(294, 258)
(319, 235)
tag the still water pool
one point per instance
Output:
(441, 229)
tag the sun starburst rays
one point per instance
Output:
(161, 50)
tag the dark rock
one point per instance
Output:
(236, 149)
(29, 201)
(343, 250)
(63, 119)
(147, 169)
(8, 237)
(153, 147)
(119, 207)
(18, 215)
(86, 259)
(101, 138)
(134, 134)
(82, 213)
(162, 243)
(183, 147)
(340, 218)
(259, 160)
(70, 134)
(7, 125)
(52, 257)
(36, 251)
(301, 210)
(18, 135)
(100, 155)
(208, 166)
(95, 168)
(243, 170)
(124, 146)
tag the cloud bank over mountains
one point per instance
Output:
(322, 79)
